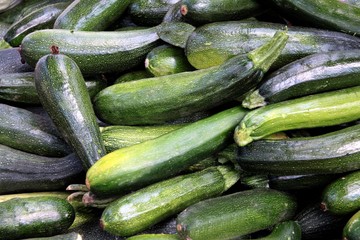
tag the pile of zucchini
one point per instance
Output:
(179, 119)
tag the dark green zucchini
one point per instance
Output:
(313, 74)
(287, 230)
(166, 60)
(138, 211)
(155, 236)
(63, 94)
(35, 217)
(230, 38)
(151, 161)
(11, 62)
(162, 99)
(318, 110)
(65, 236)
(334, 152)
(342, 196)
(351, 230)
(235, 215)
(91, 15)
(134, 75)
(42, 18)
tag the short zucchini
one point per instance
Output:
(351, 230)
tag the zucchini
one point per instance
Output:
(35, 217)
(313, 74)
(65, 236)
(42, 18)
(318, 110)
(166, 60)
(162, 99)
(63, 94)
(351, 230)
(138, 211)
(334, 152)
(287, 230)
(235, 215)
(331, 14)
(132, 76)
(20, 87)
(231, 38)
(153, 160)
(11, 62)
(91, 15)
(8, 4)
(342, 196)
(30, 132)
(154, 236)
(94, 52)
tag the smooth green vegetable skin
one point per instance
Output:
(62, 92)
(159, 236)
(65, 236)
(318, 110)
(343, 195)
(35, 217)
(351, 230)
(140, 210)
(332, 14)
(132, 76)
(145, 163)
(335, 152)
(234, 215)
(94, 52)
(91, 15)
(288, 230)
(213, 43)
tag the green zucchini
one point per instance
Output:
(30, 132)
(63, 94)
(287, 230)
(318, 110)
(313, 74)
(334, 152)
(65, 236)
(331, 14)
(20, 87)
(154, 236)
(166, 60)
(91, 15)
(138, 211)
(213, 43)
(133, 75)
(342, 196)
(42, 18)
(11, 62)
(8, 4)
(153, 160)
(35, 217)
(351, 230)
(235, 215)
(162, 99)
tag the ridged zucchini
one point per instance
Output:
(230, 38)
(162, 99)
(351, 230)
(235, 215)
(151, 161)
(63, 94)
(318, 110)
(334, 152)
(11, 62)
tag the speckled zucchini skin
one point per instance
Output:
(351, 230)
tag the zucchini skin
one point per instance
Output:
(11, 62)
(93, 51)
(138, 211)
(90, 15)
(318, 110)
(234, 37)
(351, 230)
(65, 236)
(339, 152)
(235, 215)
(35, 217)
(26, 172)
(287, 230)
(154, 236)
(63, 94)
(145, 163)
(29, 132)
(313, 74)
(342, 196)
(133, 75)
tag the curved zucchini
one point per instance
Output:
(318, 110)
(154, 236)
(335, 152)
(313, 74)
(91, 15)
(162, 99)
(351, 230)
(11, 62)
(231, 38)
(35, 217)
(94, 52)
(145, 163)
(342, 196)
(63, 94)
(235, 215)
(138, 211)
(287, 230)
